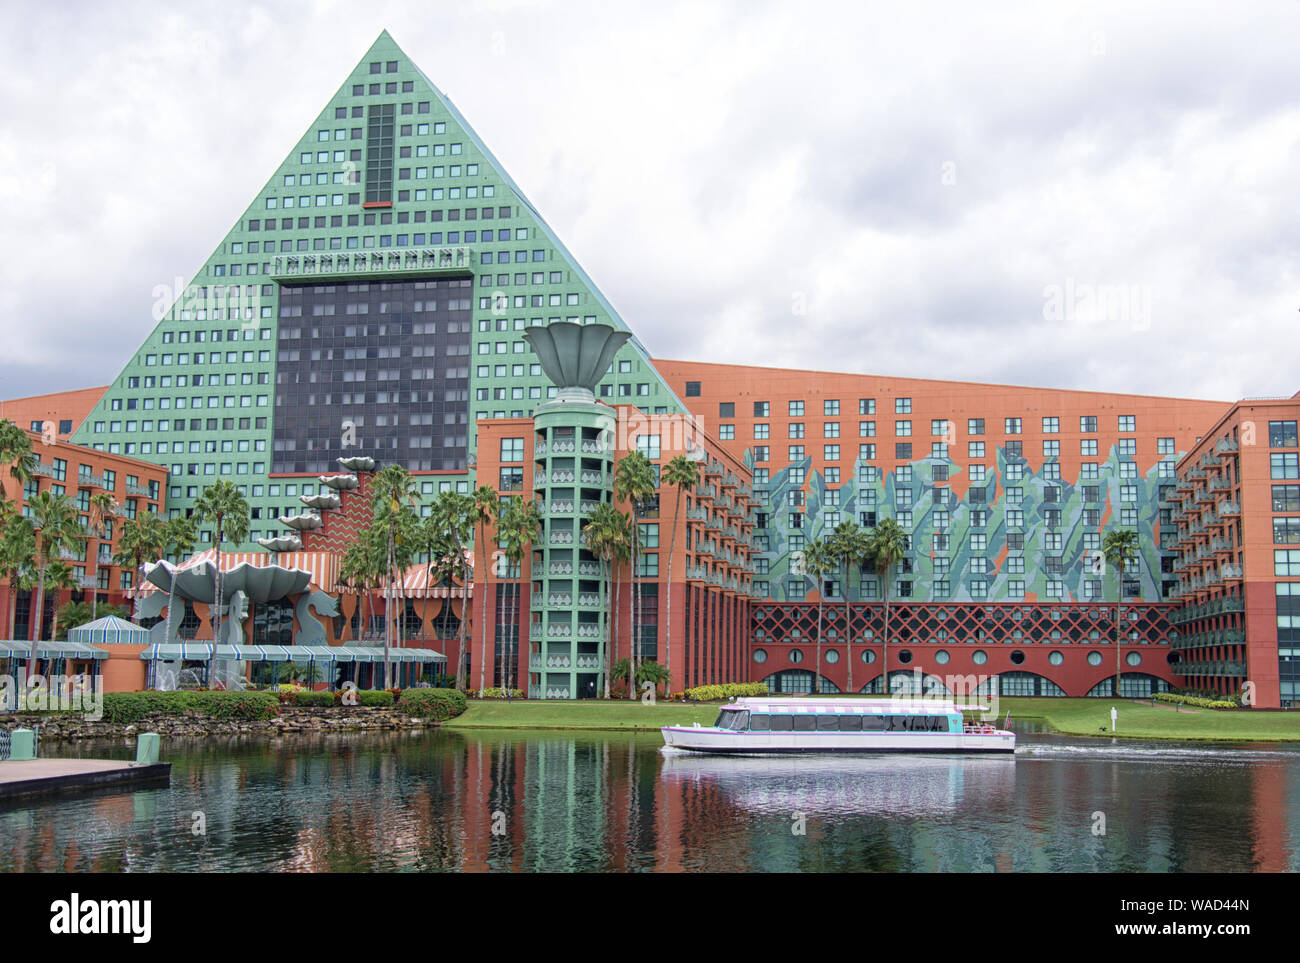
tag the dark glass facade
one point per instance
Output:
(379, 369)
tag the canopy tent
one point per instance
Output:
(21, 649)
(110, 630)
(202, 652)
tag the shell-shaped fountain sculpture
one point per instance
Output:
(290, 543)
(575, 356)
(357, 463)
(319, 502)
(301, 523)
(340, 483)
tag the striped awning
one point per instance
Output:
(321, 566)
(419, 582)
(110, 631)
(22, 649)
(202, 651)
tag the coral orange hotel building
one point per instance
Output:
(374, 299)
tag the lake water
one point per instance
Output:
(548, 801)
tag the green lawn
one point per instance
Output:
(586, 714)
(1085, 717)
(1137, 719)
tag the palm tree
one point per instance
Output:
(603, 535)
(16, 452)
(57, 524)
(848, 544)
(59, 576)
(519, 528)
(393, 497)
(634, 482)
(17, 555)
(1119, 549)
(180, 534)
(681, 473)
(452, 520)
(362, 567)
(221, 503)
(885, 548)
(818, 560)
(102, 508)
(487, 508)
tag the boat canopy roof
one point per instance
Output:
(850, 704)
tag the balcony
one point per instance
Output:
(588, 662)
(1227, 508)
(141, 490)
(561, 508)
(589, 568)
(87, 480)
(1227, 446)
(387, 264)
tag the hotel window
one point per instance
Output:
(941, 541)
(1128, 423)
(941, 518)
(1092, 541)
(762, 431)
(1088, 446)
(1282, 434)
(1051, 426)
(904, 476)
(795, 453)
(761, 453)
(979, 588)
(762, 409)
(867, 519)
(974, 426)
(1165, 446)
(1088, 423)
(1127, 517)
(832, 476)
(942, 588)
(979, 566)
(795, 429)
(1015, 495)
(977, 473)
(940, 471)
(1055, 589)
(512, 449)
(1286, 562)
(831, 452)
(726, 432)
(1286, 498)
(975, 449)
(978, 517)
(1051, 449)
(1089, 471)
(648, 445)
(903, 588)
(868, 475)
(1015, 541)
(979, 542)
(866, 429)
(831, 429)
(1012, 426)
(867, 452)
(1052, 516)
(903, 497)
(1284, 466)
(1016, 589)
(727, 409)
(903, 450)
(760, 476)
(1015, 449)
(1128, 446)
(796, 409)
(1015, 565)
(938, 427)
(1286, 531)
(941, 563)
(831, 407)
(902, 429)
(866, 406)
(1128, 493)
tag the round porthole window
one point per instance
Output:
(868, 657)
(1017, 657)
(1133, 658)
(941, 657)
(1094, 658)
(796, 655)
(1056, 658)
(979, 657)
(760, 655)
(905, 656)
(832, 656)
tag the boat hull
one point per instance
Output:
(724, 741)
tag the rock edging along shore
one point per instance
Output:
(73, 725)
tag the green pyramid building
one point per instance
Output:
(370, 300)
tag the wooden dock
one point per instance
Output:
(43, 777)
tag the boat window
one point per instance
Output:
(782, 723)
(874, 723)
(805, 723)
(760, 722)
(850, 723)
(731, 719)
(828, 723)
(898, 723)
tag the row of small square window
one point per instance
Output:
(181, 403)
(903, 429)
(797, 588)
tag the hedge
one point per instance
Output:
(712, 693)
(127, 707)
(1197, 701)
(439, 704)
(314, 699)
(496, 692)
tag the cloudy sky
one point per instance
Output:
(1091, 195)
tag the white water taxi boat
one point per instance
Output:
(781, 724)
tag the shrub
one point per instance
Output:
(712, 693)
(128, 707)
(376, 698)
(496, 692)
(1198, 702)
(439, 704)
(315, 699)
